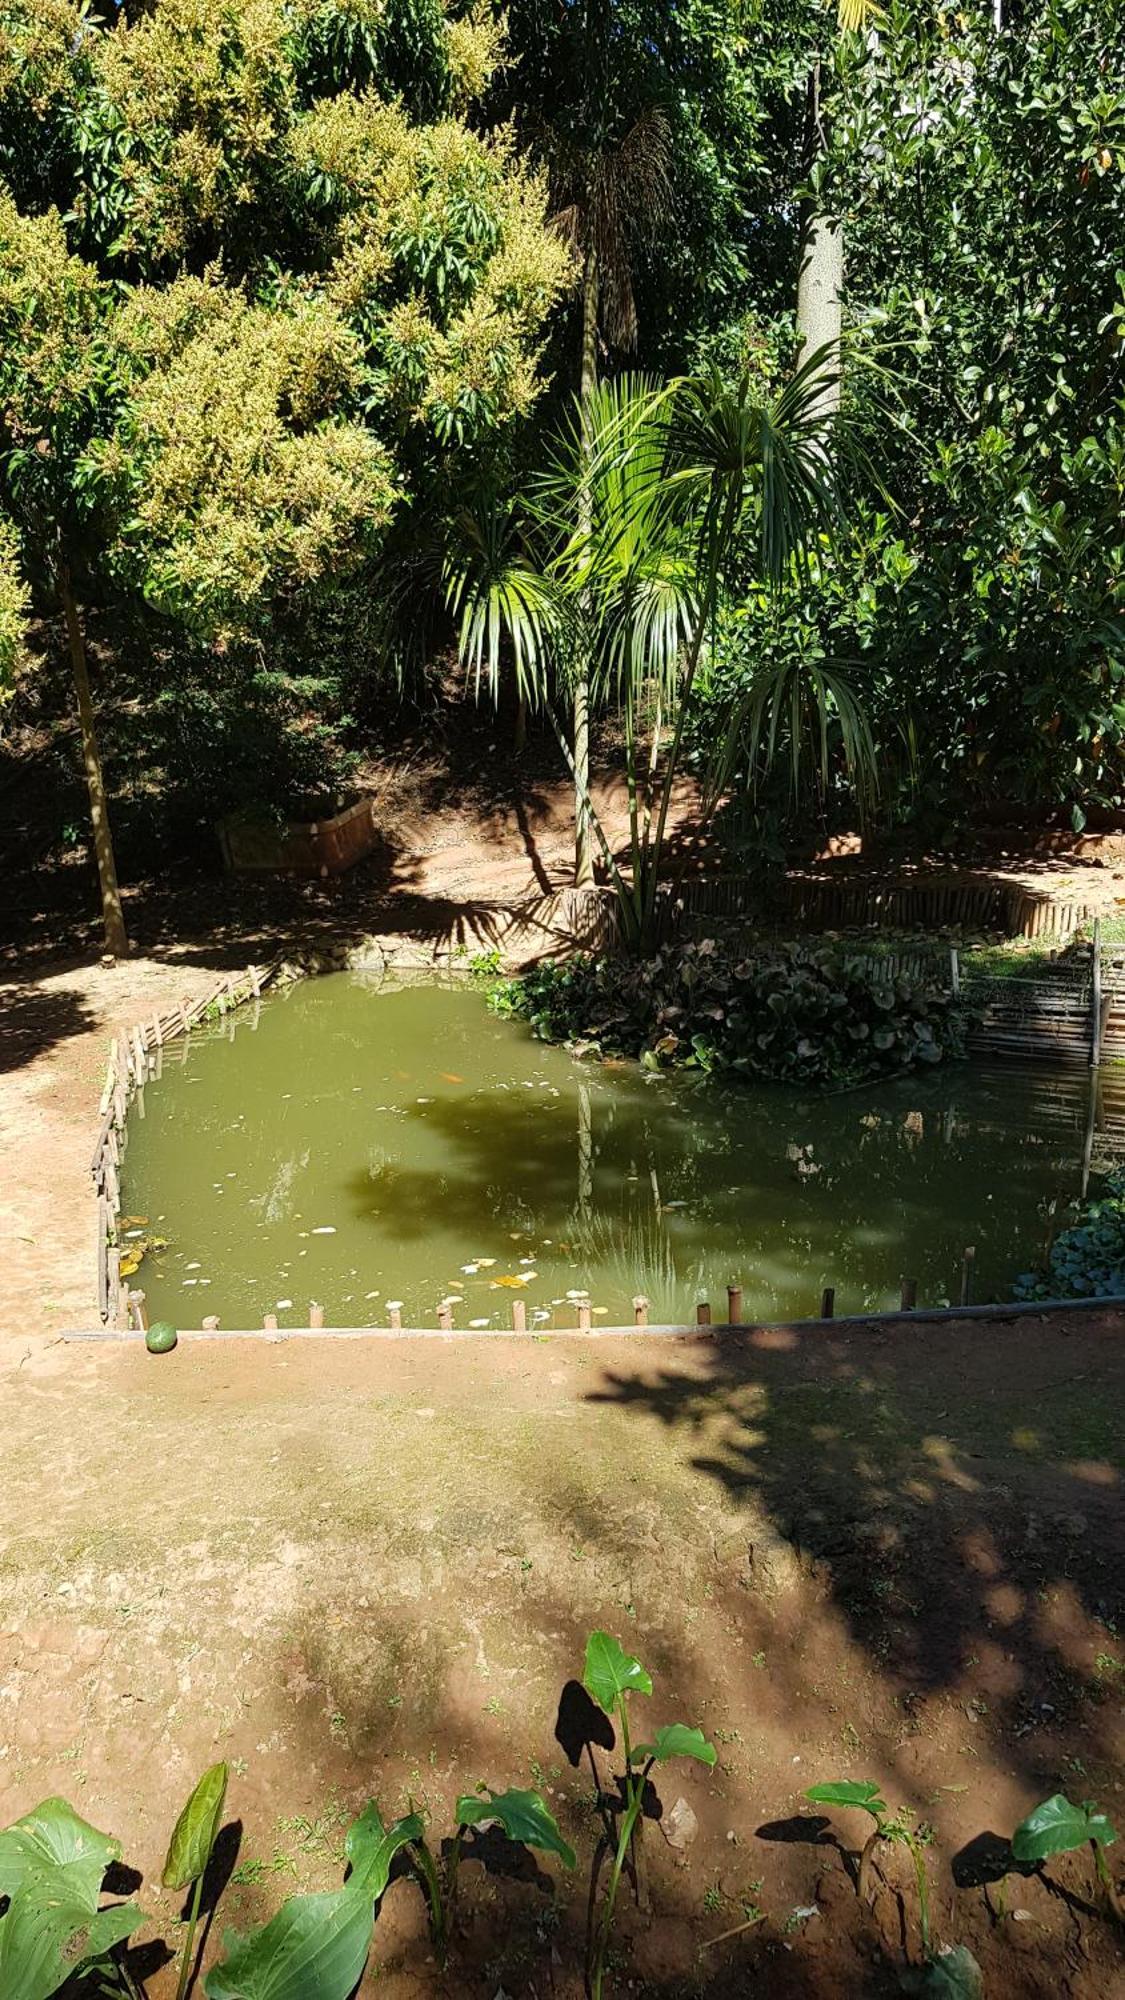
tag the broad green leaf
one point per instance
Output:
(849, 1792)
(611, 1671)
(952, 1974)
(316, 1947)
(523, 1816)
(1057, 1826)
(371, 1847)
(53, 1926)
(193, 1837)
(676, 1739)
(53, 1832)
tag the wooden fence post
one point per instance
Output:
(703, 1313)
(734, 1305)
(1096, 997)
(316, 1314)
(640, 1312)
(967, 1273)
(955, 971)
(394, 1315)
(909, 1295)
(584, 1316)
(828, 1302)
(445, 1317)
(519, 1316)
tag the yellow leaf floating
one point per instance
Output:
(513, 1284)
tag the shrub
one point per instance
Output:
(797, 1013)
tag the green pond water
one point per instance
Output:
(356, 1144)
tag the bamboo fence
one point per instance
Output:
(135, 1056)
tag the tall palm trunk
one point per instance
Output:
(583, 845)
(113, 916)
(820, 279)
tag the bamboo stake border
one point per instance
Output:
(134, 1056)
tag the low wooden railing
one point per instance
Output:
(134, 1055)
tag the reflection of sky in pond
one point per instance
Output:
(354, 1146)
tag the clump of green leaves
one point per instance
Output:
(612, 1677)
(799, 1014)
(863, 1796)
(1058, 1827)
(1086, 1261)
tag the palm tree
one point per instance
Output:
(820, 275)
(608, 186)
(665, 481)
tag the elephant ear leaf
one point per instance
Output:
(371, 1847)
(1056, 1826)
(524, 1817)
(195, 1832)
(53, 1926)
(676, 1739)
(53, 1833)
(952, 1975)
(611, 1671)
(314, 1949)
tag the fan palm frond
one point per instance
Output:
(499, 596)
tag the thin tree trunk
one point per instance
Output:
(113, 916)
(583, 846)
(820, 278)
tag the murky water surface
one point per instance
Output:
(355, 1145)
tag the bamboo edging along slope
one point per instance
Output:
(134, 1056)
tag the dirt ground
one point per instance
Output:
(369, 1569)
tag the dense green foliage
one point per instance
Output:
(800, 1015)
(292, 289)
(980, 615)
(1087, 1260)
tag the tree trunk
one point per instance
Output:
(820, 279)
(113, 915)
(583, 844)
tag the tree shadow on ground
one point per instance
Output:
(34, 1019)
(967, 1505)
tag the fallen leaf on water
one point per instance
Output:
(486, 1263)
(327, 1230)
(447, 1076)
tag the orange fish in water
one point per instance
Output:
(447, 1076)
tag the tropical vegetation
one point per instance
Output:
(742, 381)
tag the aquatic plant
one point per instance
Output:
(1086, 1261)
(799, 1014)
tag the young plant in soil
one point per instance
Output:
(189, 1852)
(1058, 1827)
(523, 1816)
(891, 1827)
(611, 1678)
(316, 1947)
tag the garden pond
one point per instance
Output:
(357, 1143)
